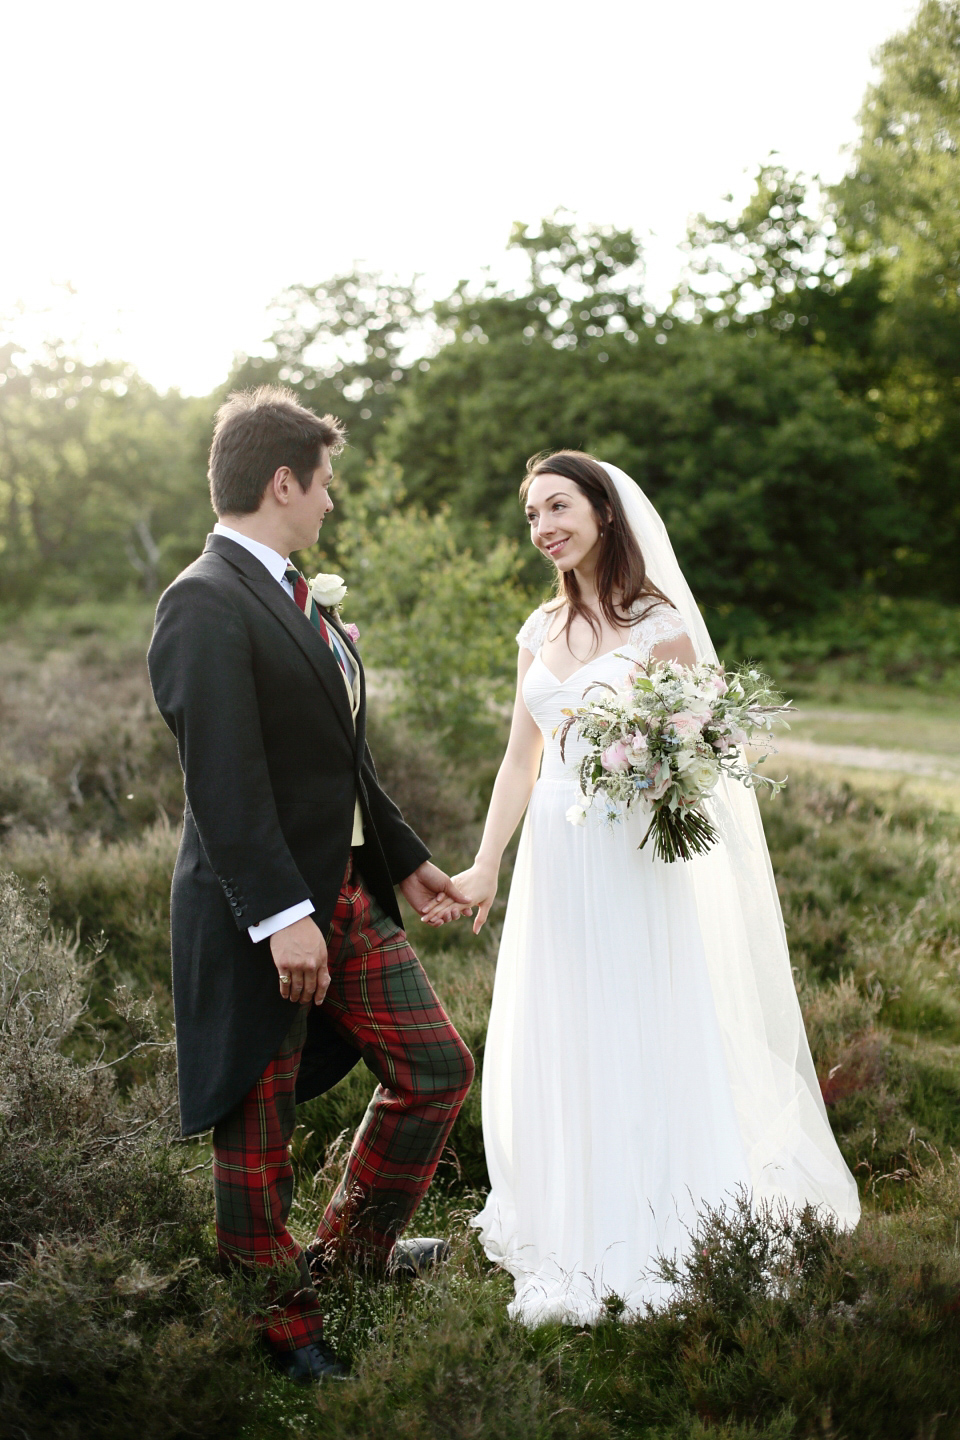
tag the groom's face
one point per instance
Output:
(309, 508)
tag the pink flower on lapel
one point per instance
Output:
(353, 632)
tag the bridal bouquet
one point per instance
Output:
(662, 739)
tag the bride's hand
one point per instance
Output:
(479, 885)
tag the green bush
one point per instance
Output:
(783, 1328)
(113, 1319)
(84, 749)
(437, 621)
(871, 638)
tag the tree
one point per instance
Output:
(899, 208)
(783, 265)
(770, 480)
(346, 346)
(102, 490)
(436, 617)
(489, 397)
(868, 273)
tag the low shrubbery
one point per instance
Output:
(115, 1320)
(868, 638)
(83, 749)
(116, 1315)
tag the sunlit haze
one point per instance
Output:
(176, 166)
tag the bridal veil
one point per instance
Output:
(792, 1155)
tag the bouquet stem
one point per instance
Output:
(679, 835)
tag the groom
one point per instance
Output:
(289, 960)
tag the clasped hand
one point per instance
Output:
(478, 886)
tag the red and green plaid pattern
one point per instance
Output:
(380, 997)
(253, 1191)
(309, 606)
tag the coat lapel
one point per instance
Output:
(258, 579)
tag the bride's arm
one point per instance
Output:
(511, 792)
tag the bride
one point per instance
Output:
(645, 1056)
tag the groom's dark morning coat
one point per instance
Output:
(272, 762)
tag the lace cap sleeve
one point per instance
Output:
(533, 630)
(659, 623)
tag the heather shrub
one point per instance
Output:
(84, 749)
(113, 1319)
(439, 802)
(781, 1326)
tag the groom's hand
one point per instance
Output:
(300, 954)
(427, 888)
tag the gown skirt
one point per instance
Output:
(645, 1057)
(607, 1111)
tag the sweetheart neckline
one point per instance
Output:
(580, 669)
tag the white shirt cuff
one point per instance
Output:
(280, 921)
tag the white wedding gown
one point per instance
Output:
(610, 1112)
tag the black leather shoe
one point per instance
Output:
(414, 1257)
(310, 1362)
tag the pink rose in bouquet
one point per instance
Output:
(615, 758)
(685, 723)
(661, 779)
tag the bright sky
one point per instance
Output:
(177, 165)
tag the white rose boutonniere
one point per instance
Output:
(328, 591)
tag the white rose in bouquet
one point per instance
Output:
(697, 771)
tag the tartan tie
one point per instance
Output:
(310, 608)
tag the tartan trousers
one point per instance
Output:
(380, 998)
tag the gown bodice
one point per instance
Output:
(547, 698)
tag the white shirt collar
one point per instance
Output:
(275, 563)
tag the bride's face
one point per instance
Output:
(563, 523)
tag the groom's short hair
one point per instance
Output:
(258, 431)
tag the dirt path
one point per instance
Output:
(868, 757)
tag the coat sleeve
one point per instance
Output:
(402, 848)
(201, 670)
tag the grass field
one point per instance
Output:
(113, 1317)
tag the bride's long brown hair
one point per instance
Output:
(621, 570)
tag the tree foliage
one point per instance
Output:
(771, 483)
(868, 273)
(438, 615)
(345, 346)
(795, 411)
(900, 208)
(102, 486)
